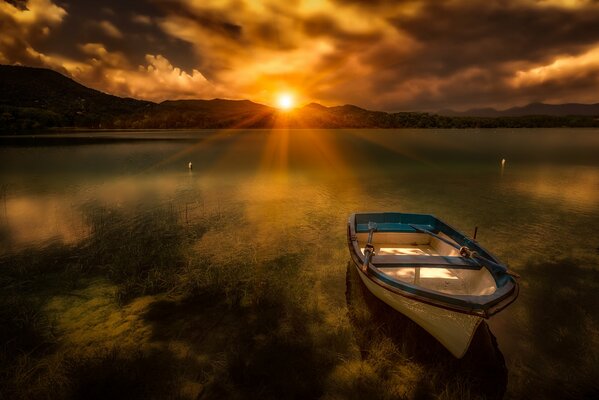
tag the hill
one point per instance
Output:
(554, 110)
(37, 98)
(216, 113)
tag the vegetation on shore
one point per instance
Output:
(37, 99)
(15, 119)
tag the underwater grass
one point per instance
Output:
(138, 250)
(115, 373)
(256, 321)
(139, 264)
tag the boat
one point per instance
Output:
(439, 278)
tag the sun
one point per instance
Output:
(285, 101)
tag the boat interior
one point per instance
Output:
(400, 255)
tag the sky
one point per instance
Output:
(390, 55)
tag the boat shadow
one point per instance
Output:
(482, 369)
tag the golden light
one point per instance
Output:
(285, 101)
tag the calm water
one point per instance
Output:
(285, 192)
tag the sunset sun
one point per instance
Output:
(285, 101)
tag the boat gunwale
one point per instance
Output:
(483, 306)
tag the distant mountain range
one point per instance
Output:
(556, 110)
(37, 98)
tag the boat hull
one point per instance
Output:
(407, 244)
(452, 329)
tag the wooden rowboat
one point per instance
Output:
(430, 272)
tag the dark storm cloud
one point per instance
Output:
(20, 4)
(484, 41)
(220, 23)
(325, 25)
(482, 33)
(372, 3)
(88, 22)
(20, 34)
(383, 54)
(214, 20)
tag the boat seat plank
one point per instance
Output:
(433, 261)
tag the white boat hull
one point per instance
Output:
(452, 329)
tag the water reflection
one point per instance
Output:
(559, 310)
(263, 208)
(481, 372)
(573, 187)
(31, 220)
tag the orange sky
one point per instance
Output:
(382, 54)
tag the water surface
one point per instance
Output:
(279, 201)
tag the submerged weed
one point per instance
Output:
(113, 373)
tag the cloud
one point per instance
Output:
(93, 64)
(109, 29)
(156, 80)
(20, 4)
(561, 69)
(466, 53)
(24, 25)
(564, 76)
(383, 54)
(261, 48)
(99, 54)
(141, 19)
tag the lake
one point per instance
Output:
(232, 278)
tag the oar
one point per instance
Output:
(466, 252)
(369, 248)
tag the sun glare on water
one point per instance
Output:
(285, 101)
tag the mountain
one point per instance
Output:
(216, 113)
(555, 110)
(37, 98)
